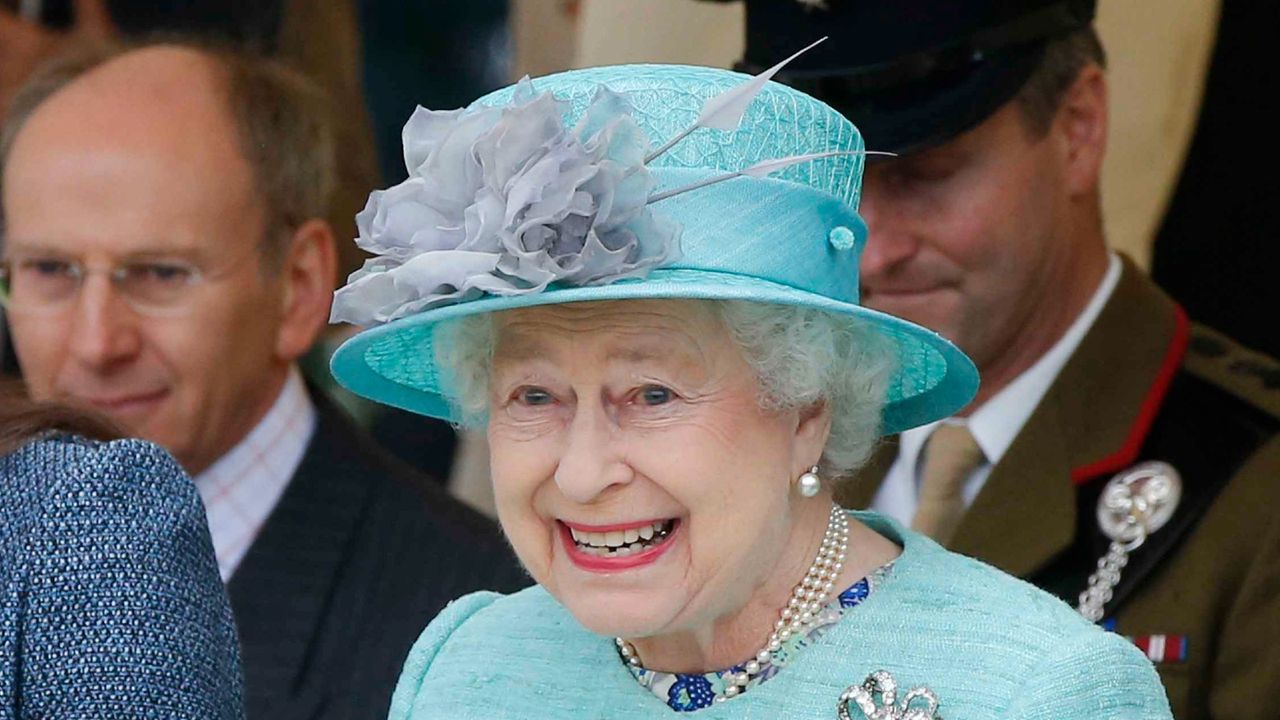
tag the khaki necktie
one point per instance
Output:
(950, 456)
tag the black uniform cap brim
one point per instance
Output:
(916, 116)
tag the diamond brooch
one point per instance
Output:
(920, 703)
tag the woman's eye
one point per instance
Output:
(655, 395)
(534, 396)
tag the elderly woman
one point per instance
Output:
(643, 282)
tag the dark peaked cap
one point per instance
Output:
(909, 73)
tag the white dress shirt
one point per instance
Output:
(242, 487)
(997, 422)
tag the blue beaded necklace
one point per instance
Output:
(688, 692)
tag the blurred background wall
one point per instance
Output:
(437, 54)
(1215, 250)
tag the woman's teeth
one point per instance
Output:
(620, 543)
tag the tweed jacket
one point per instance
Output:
(990, 646)
(357, 557)
(1202, 595)
(110, 600)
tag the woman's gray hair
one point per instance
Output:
(801, 357)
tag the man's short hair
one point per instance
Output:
(283, 120)
(1064, 58)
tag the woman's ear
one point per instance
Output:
(813, 428)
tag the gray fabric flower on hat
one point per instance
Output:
(506, 201)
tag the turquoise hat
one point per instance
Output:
(620, 183)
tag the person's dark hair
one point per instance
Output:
(284, 122)
(23, 420)
(1064, 58)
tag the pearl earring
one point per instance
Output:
(809, 483)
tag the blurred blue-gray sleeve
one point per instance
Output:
(112, 604)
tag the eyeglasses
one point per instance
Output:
(48, 284)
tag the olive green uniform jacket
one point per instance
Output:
(1147, 384)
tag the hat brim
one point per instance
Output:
(395, 364)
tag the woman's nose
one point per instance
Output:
(591, 464)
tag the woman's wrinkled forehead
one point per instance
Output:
(626, 331)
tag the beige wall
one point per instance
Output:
(1159, 53)
(545, 35)
(666, 31)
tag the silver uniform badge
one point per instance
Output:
(919, 703)
(1133, 505)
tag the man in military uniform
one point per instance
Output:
(987, 228)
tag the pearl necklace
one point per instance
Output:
(806, 602)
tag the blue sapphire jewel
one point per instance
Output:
(690, 692)
(855, 594)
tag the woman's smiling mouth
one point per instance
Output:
(617, 547)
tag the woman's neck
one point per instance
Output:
(738, 636)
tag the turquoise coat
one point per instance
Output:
(989, 645)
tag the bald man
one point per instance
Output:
(166, 264)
